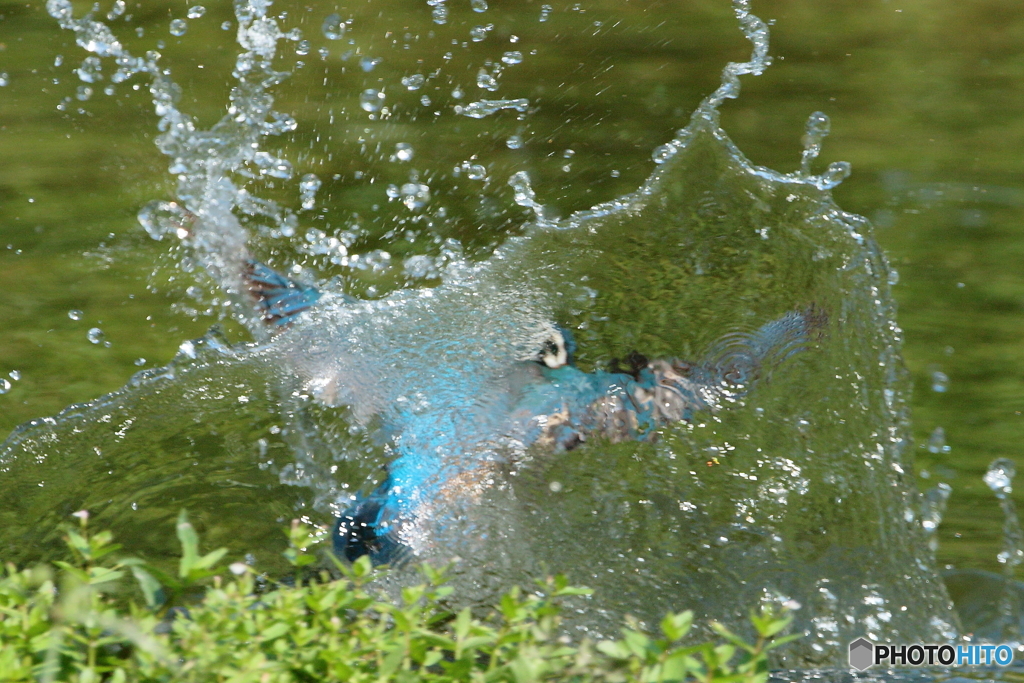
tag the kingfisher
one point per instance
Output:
(550, 404)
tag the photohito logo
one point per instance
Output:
(865, 654)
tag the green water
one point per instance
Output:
(925, 101)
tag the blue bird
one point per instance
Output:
(551, 404)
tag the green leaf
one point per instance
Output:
(210, 559)
(152, 591)
(676, 626)
(275, 631)
(616, 649)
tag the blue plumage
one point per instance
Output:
(279, 299)
(550, 403)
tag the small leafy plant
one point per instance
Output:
(77, 621)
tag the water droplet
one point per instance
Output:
(555, 486)
(196, 12)
(545, 12)
(414, 82)
(940, 381)
(139, 362)
(368, 64)
(165, 218)
(512, 57)
(478, 33)
(371, 100)
(425, 101)
(403, 151)
(5, 386)
(178, 27)
(477, 172)
(894, 277)
(95, 335)
(836, 173)
(478, 5)
(486, 81)
(815, 130)
(663, 153)
(83, 93)
(303, 47)
(415, 195)
(1000, 476)
(226, 26)
(333, 27)
(117, 10)
(514, 142)
(15, 375)
(458, 93)
(308, 187)
(324, 53)
(440, 14)
(89, 71)
(4, 79)
(482, 108)
(75, 314)
(58, 60)
(937, 441)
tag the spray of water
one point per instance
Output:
(795, 490)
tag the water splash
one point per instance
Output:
(762, 500)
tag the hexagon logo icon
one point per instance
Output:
(862, 654)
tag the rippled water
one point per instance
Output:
(803, 490)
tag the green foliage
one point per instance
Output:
(73, 622)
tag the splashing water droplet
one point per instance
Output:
(440, 14)
(482, 108)
(486, 81)
(308, 187)
(161, 218)
(83, 93)
(940, 381)
(179, 27)
(303, 47)
(479, 33)
(368, 64)
(836, 173)
(333, 27)
(414, 82)
(403, 151)
(514, 142)
(545, 12)
(816, 129)
(196, 12)
(933, 506)
(89, 71)
(415, 195)
(15, 375)
(371, 100)
(999, 477)
(5, 386)
(937, 441)
(75, 314)
(95, 335)
(512, 57)
(478, 5)
(4, 79)
(663, 153)
(139, 362)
